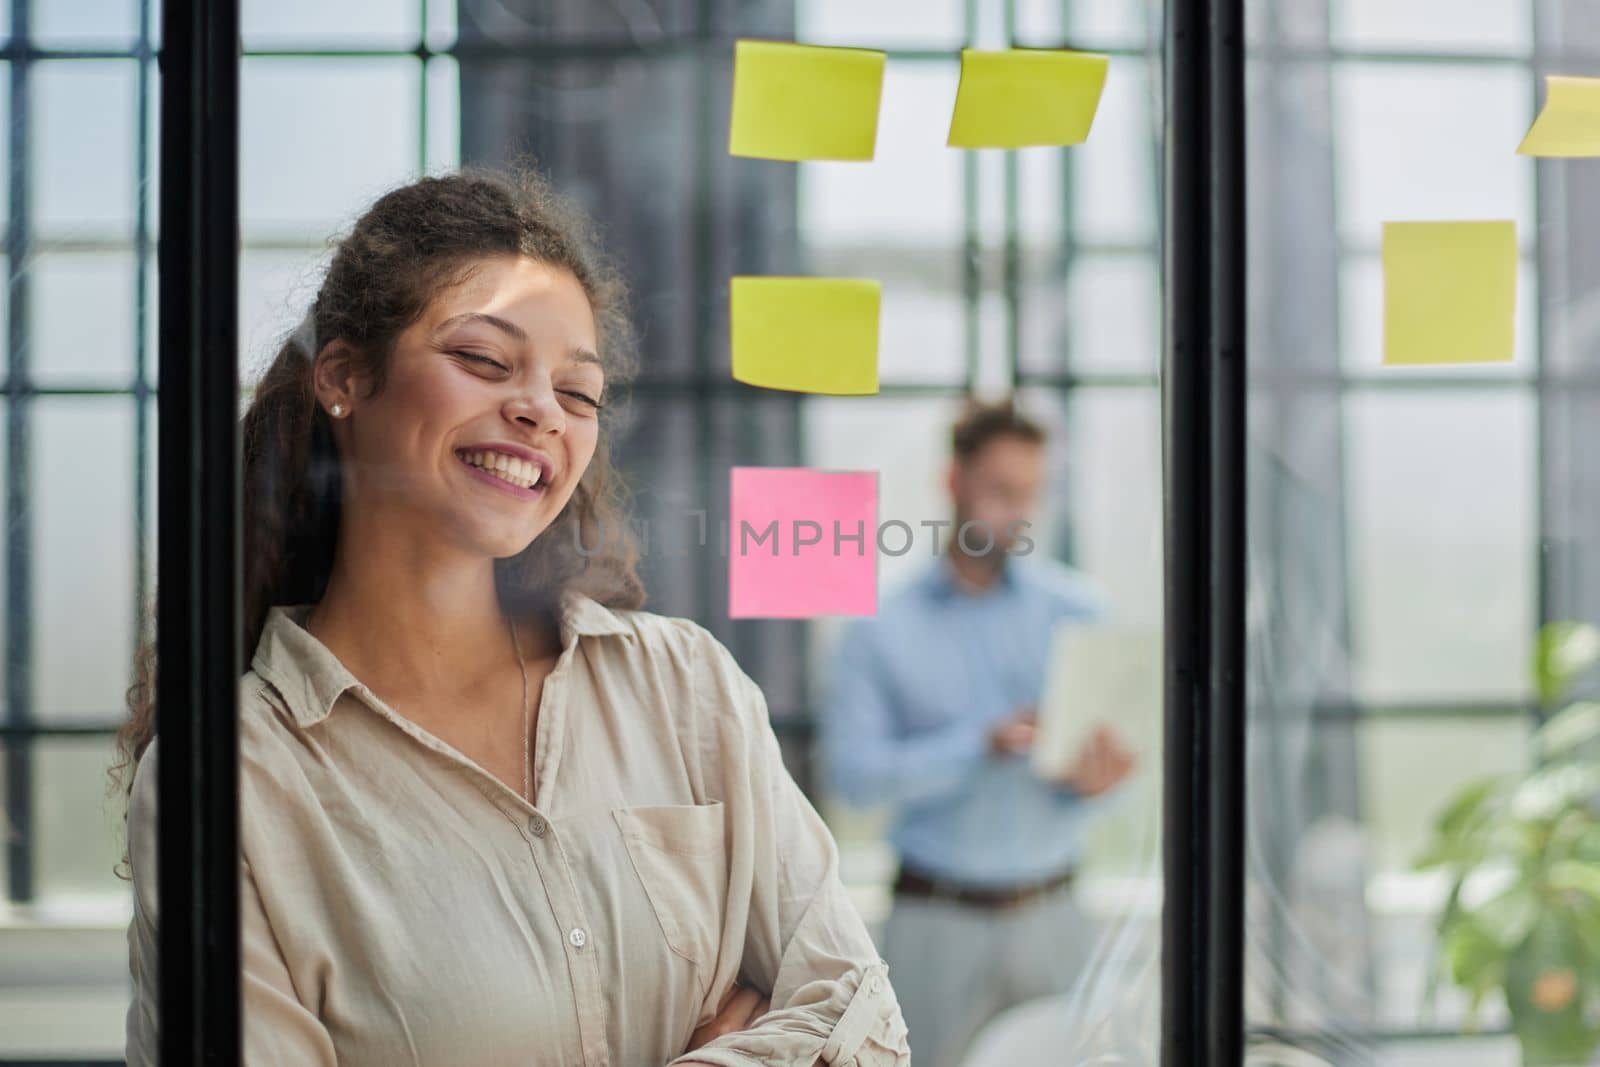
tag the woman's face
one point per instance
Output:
(487, 418)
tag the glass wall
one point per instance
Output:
(1033, 272)
(340, 101)
(79, 100)
(1411, 530)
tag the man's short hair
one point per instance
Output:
(981, 423)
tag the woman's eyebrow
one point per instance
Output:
(505, 326)
(583, 355)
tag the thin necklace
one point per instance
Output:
(527, 727)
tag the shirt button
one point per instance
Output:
(578, 938)
(877, 983)
(536, 826)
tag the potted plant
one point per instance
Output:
(1522, 853)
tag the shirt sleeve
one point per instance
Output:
(142, 1032)
(868, 760)
(278, 1028)
(790, 927)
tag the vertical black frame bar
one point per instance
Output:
(1228, 462)
(1203, 417)
(197, 607)
(18, 518)
(1186, 529)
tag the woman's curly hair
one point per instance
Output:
(412, 244)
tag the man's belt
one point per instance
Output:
(910, 883)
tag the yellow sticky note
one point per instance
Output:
(796, 101)
(1569, 125)
(1024, 97)
(806, 335)
(1449, 292)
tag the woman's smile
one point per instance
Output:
(520, 477)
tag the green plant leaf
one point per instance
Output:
(1477, 962)
(1583, 912)
(1457, 828)
(1562, 652)
(1449, 915)
(1580, 877)
(1543, 795)
(1508, 916)
(1568, 729)
(1586, 845)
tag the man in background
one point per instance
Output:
(931, 712)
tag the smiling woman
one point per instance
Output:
(493, 812)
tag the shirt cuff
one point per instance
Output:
(872, 1003)
(870, 1032)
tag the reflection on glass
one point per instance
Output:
(1401, 564)
(635, 133)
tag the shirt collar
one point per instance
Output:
(311, 679)
(941, 580)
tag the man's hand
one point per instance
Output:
(740, 1010)
(1013, 735)
(1101, 763)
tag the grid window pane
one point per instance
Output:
(921, 335)
(82, 147)
(1406, 136)
(82, 319)
(442, 22)
(151, 189)
(276, 289)
(100, 24)
(81, 497)
(1105, 24)
(1106, 507)
(367, 24)
(1113, 314)
(1410, 770)
(444, 113)
(77, 828)
(1442, 519)
(1501, 26)
(1114, 173)
(910, 195)
(320, 138)
(882, 23)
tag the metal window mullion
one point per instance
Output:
(1226, 769)
(197, 609)
(706, 407)
(1203, 494)
(1185, 267)
(1011, 282)
(971, 242)
(424, 60)
(141, 355)
(1548, 258)
(19, 525)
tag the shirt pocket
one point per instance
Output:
(680, 854)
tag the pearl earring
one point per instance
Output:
(337, 411)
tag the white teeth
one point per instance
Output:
(512, 469)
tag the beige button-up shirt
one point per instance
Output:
(402, 906)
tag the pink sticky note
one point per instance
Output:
(802, 543)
